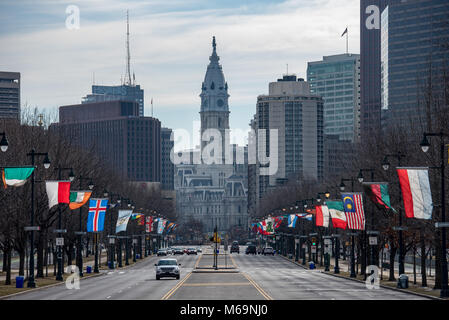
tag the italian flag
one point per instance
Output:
(322, 216)
(378, 193)
(337, 214)
(17, 176)
(78, 199)
(58, 192)
(415, 187)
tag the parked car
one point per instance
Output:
(235, 247)
(199, 250)
(191, 251)
(251, 249)
(169, 250)
(268, 250)
(162, 252)
(167, 268)
(178, 251)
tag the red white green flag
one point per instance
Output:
(378, 193)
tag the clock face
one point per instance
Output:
(220, 102)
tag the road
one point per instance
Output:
(254, 277)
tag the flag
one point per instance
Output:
(292, 220)
(58, 192)
(97, 211)
(336, 211)
(308, 217)
(149, 224)
(78, 199)
(16, 177)
(122, 220)
(278, 222)
(353, 206)
(345, 32)
(416, 193)
(311, 211)
(135, 216)
(141, 220)
(378, 193)
(170, 226)
(161, 225)
(322, 216)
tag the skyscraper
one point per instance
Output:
(337, 79)
(168, 172)
(414, 49)
(9, 95)
(297, 115)
(370, 69)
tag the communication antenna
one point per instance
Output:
(128, 56)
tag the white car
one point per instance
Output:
(167, 268)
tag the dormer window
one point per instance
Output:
(212, 86)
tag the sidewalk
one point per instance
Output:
(383, 274)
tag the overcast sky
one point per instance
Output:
(170, 48)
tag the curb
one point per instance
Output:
(63, 282)
(361, 281)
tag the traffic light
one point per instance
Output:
(313, 241)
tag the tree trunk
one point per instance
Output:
(40, 255)
(21, 262)
(8, 266)
(414, 264)
(5, 261)
(364, 255)
(437, 260)
(393, 250)
(423, 261)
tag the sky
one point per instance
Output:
(170, 43)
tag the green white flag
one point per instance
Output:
(16, 176)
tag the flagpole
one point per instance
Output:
(347, 40)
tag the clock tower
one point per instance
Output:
(214, 99)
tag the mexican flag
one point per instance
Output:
(58, 192)
(78, 199)
(378, 193)
(17, 176)
(336, 210)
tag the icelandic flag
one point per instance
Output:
(97, 210)
(292, 218)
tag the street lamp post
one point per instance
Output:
(373, 247)
(386, 166)
(342, 188)
(59, 247)
(425, 145)
(79, 255)
(33, 154)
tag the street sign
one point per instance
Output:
(313, 249)
(59, 241)
(373, 241)
(111, 240)
(80, 233)
(60, 231)
(442, 224)
(134, 241)
(373, 232)
(327, 241)
(304, 246)
(400, 228)
(37, 228)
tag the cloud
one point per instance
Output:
(170, 48)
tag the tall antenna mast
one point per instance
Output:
(128, 57)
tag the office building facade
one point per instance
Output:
(337, 79)
(9, 95)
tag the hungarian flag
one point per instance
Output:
(78, 199)
(337, 213)
(378, 193)
(17, 176)
(416, 194)
(353, 206)
(58, 192)
(322, 216)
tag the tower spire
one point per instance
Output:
(128, 56)
(214, 57)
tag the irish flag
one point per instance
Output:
(17, 176)
(322, 216)
(415, 187)
(78, 199)
(337, 213)
(58, 192)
